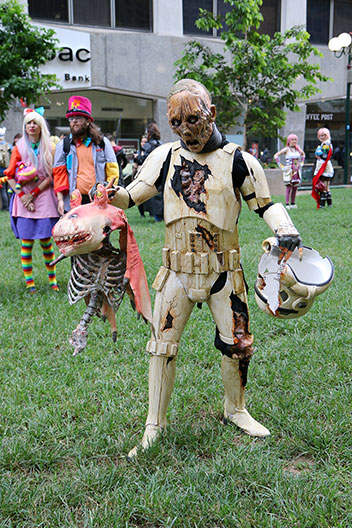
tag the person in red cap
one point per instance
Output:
(84, 158)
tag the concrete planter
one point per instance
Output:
(277, 187)
(275, 181)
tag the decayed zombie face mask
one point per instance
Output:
(191, 117)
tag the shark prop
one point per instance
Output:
(101, 274)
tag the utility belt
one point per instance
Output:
(200, 262)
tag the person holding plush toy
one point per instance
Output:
(33, 204)
(324, 171)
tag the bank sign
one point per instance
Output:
(71, 65)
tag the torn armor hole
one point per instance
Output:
(168, 322)
(188, 182)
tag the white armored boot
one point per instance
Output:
(234, 409)
(161, 382)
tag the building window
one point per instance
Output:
(270, 11)
(318, 21)
(57, 10)
(122, 115)
(191, 13)
(90, 13)
(129, 14)
(342, 16)
(134, 14)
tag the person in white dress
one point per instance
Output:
(294, 160)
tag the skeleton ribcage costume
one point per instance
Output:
(100, 272)
(99, 276)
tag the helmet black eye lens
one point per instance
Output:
(283, 296)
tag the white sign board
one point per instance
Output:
(71, 64)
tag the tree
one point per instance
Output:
(23, 48)
(257, 76)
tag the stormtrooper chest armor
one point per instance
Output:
(201, 213)
(200, 186)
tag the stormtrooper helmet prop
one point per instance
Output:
(296, 282)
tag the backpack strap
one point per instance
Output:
(67, 145)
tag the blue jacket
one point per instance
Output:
(65, 167)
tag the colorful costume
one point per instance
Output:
(39, 223)
(65, 167)
(294, 160)
(25, 173)
(30, 225)
(323, 173)
(81, 163)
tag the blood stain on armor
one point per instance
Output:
(207, 236)
(243, 368)
(243, 338)
(168, 322)
(188, 181)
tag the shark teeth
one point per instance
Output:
(78, 238)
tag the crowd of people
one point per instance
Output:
(39, 172)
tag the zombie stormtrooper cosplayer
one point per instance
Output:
(203, 177)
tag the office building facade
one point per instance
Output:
(121, 55)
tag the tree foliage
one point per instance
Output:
(257, 76)
(23, 48)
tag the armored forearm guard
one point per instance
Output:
(121, 198)
(140, 191)
(279, 221)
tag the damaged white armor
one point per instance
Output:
(201, 240)
(201, 255)
(201, 243)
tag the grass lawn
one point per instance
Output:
(67, 423)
